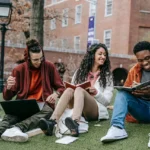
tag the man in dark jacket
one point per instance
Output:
(34, 79)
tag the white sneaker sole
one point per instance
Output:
(15, 138)
(148, 144)
(106, 140)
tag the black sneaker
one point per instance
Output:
(47, 126)
(72, 126)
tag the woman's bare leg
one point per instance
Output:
(84, 103)
(62, 104)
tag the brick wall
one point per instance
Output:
(71, 61)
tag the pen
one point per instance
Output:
(136, 82)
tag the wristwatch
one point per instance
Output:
(58, 93)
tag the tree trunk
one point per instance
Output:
(37, 21)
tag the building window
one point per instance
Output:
(92, 11)
(108, 7)
(54, 1)
(64, 43)
(107, 38)
(45, 2)
(95, 41)
(52, 44)
(53, 24)
(78, 14)
(59, 1)
(65, 17)
(76, 42)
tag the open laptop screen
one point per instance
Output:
(20, 108)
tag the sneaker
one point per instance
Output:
(114, 134)
(47, 126)
(149, 140)
(72, 126)
(15, 135)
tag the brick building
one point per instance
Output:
(118, 24)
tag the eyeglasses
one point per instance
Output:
(37, 60)
(147, 58)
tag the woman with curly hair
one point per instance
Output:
(91, 103)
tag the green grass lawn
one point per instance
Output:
(137, 140)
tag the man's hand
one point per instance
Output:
(135, 84)
(52, 98)
(143, 92)
(11, 81)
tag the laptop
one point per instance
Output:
(20, 108)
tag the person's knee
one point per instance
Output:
(11, 119)
(79, 90)
(69, 90)
(46, 110)
(123, 95)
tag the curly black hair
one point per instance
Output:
(33, 46)
(140, 46)
(88, 62)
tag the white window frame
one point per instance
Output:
(95, 41)
(107, 5)
(75, 42)
(53, 24)
(54, 1)
(64, 43)
(78, 15)
(52, 43)
(8, 42)
(45, 2)
(65, 17)
(59, 1)
(107, 38)
(92, 9)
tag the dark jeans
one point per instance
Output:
(27, 124)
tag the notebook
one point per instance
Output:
(66, 140)
(20, 108)
(131, 89)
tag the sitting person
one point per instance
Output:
(33, 79)
(136, 103)
(91, 103)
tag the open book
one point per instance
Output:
(83, 85)
(130, 89)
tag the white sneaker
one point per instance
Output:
(149, 140)
(113, 134)
(15, 135)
